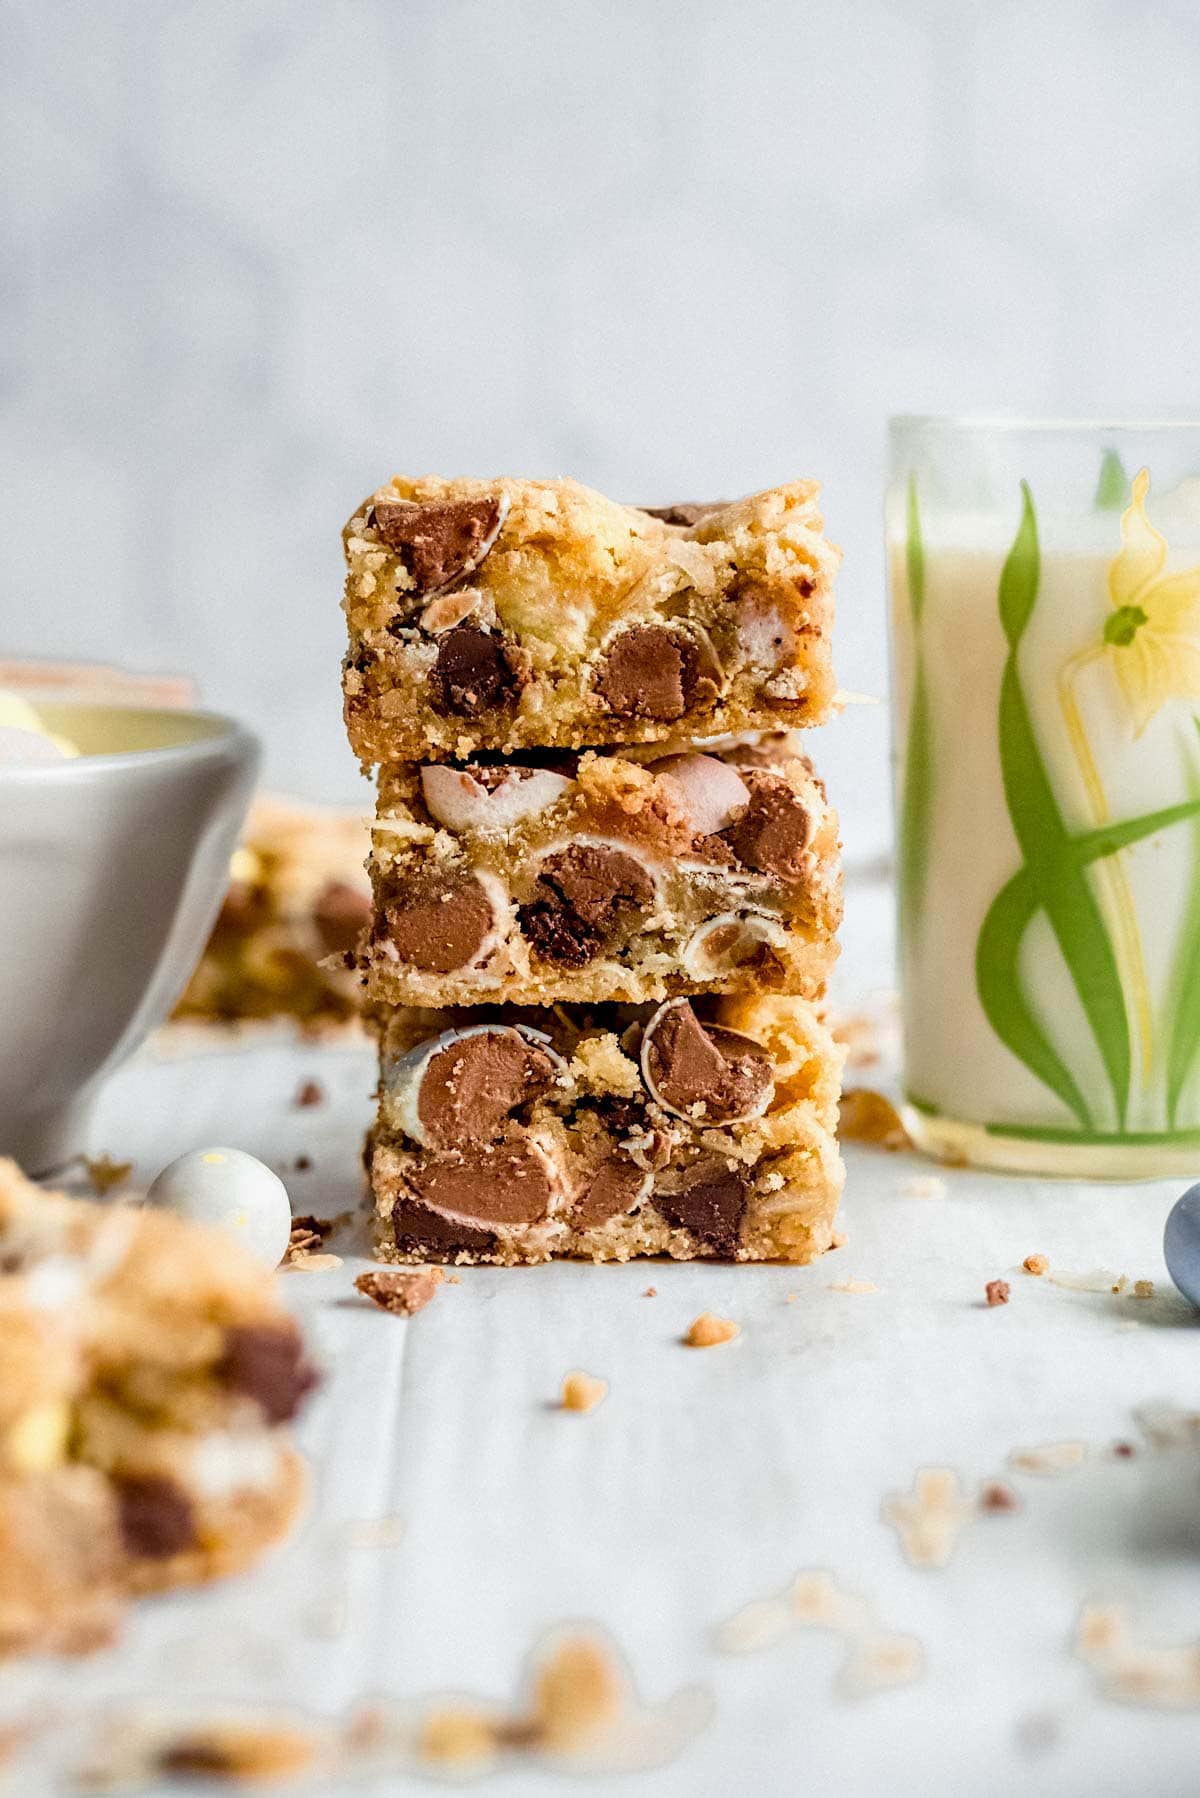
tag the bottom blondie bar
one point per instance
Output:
(146, 1371)
(698, 1128)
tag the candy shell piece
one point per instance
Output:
(1181, 1244)
(232, 1190)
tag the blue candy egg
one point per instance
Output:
(1181, 1244)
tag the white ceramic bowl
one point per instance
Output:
(113, 865)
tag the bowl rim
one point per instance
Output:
(228, 733)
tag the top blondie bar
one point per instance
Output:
(505, 615)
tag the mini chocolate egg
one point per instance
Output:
(1181, 1244)
(233, 1190)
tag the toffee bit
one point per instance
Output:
(1035, 1264)
(708, 1330)
(583, 1392)
(997, 1292)
(868, 1116)
(311, 1093)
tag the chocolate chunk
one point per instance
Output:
(416, 1227)
(155, 1516)
(442, 540)
(440, 925)
(473, 1085)
(709, 1199)
(341, 912)
(684, 513)
(773, 833)
(473, 673)
(614, 1188)
(652, 672)
(267, 1363)
(509, 1183)
(702, 1072)
(582, 896)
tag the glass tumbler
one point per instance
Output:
(1045, 604)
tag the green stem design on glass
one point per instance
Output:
(1112, 488)
(1185, 979)
(916, 806)
(1054, 877)
(1081, 1138)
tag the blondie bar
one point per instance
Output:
(146, 1373)
(508, 614)
(702, 1128)
(602, 876)
(298, 895)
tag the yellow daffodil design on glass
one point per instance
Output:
(1151, 641)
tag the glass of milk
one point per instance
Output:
(1045, 592)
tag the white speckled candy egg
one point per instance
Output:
(233, 1190)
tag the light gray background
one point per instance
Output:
(260, 255)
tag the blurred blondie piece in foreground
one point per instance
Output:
(147, 1371)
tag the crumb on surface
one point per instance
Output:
(303, 1164)
(582, 1391)
(707, 1330)
(302, 1261)
(867, 1116)
(401, 1290)
(311, 1093)
(997, 1292)
(308, 1235)
(1124, 1451)
(238, 1752)
(930, 1519)
(1035, 1264)
(576, 1694)
(1143, 1289)
(105, 1174)
(880, 1662)
(651, 1292)
(1048, 1458)
(923, 1186)
(458, 1736)
(998, 1495)
(1163, 1676)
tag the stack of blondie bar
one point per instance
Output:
(606, 878)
